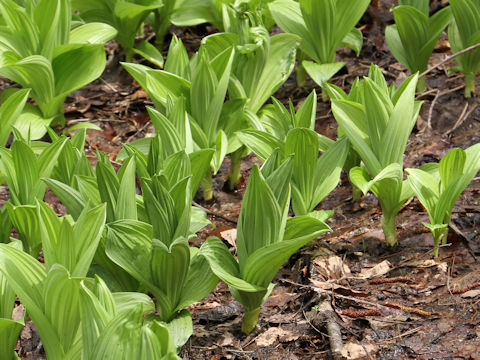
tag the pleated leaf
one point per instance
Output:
(255, 230)
(264, 263)
(224, 265)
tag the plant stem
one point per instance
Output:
(356, 193)
(324, 95)
(439, 237)
(389, 230)
(250, 320)
(422, 84)
(128, 55)
(469, 84)
(235, 174)
(207, 186)
(301, 76)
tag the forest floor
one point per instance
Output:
(389, 302)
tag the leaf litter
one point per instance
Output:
(422, 308)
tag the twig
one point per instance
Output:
(430, 112)
(464, 290)
(209, 212)
(448, 58)
(462, 117)
(406, 333)
(391, 280)
(139, 131)
(108, 84)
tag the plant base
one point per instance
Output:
(250, 320)
(389, 230)
(235, 173)
(207, 186)
(422, 84)
(469, 85)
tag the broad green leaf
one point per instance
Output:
(34, 72)
(303, 143)
(150, 53)
(322, 73)
(92, 33)
(354, 40)
(61, 294)
(224, 265)
(265, 262)
(9, 332)
(199, 283)
(260, 142)
(70, 197)
(348, 114)
(88, 60)
(451, 167)
(126, 207)
(221, 146)
(278, 66)
(361, 179)
(400, 125)
(180, 328)
(169, 269)
(24, 219)
(130, 234)
(10, 111)
(255, 230)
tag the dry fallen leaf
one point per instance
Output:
(330, 268)
(471, 293)
(230, 236)
(378, 270)
(270, 336)
(280, 300)
(357, 351)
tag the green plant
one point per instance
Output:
(126, 16)
(261, 65)
(414, 35)
(290, 132)
(378, 130)
(464, 32)
(50, 294)
(203, 83)
(438, 186)
(9, 113)
(9, 329)
(38, 50)
(159, 256)
(323, 25)
(266, 238)
(173, 139)
(121, 325)
(22, 169)
(313, 177)
(189, 13)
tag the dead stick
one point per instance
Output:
(209, 212)
(448, 58)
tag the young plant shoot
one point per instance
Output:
(266, 238)
(39, 50)
(203, 82)
(414, 35)
(438, 186)
(464, 32)
(126, 16)
(323, 26)
(378, 130)
(50, 293)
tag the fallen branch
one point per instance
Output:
(448, 58)
(209, 212)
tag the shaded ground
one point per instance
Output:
(390, 303)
